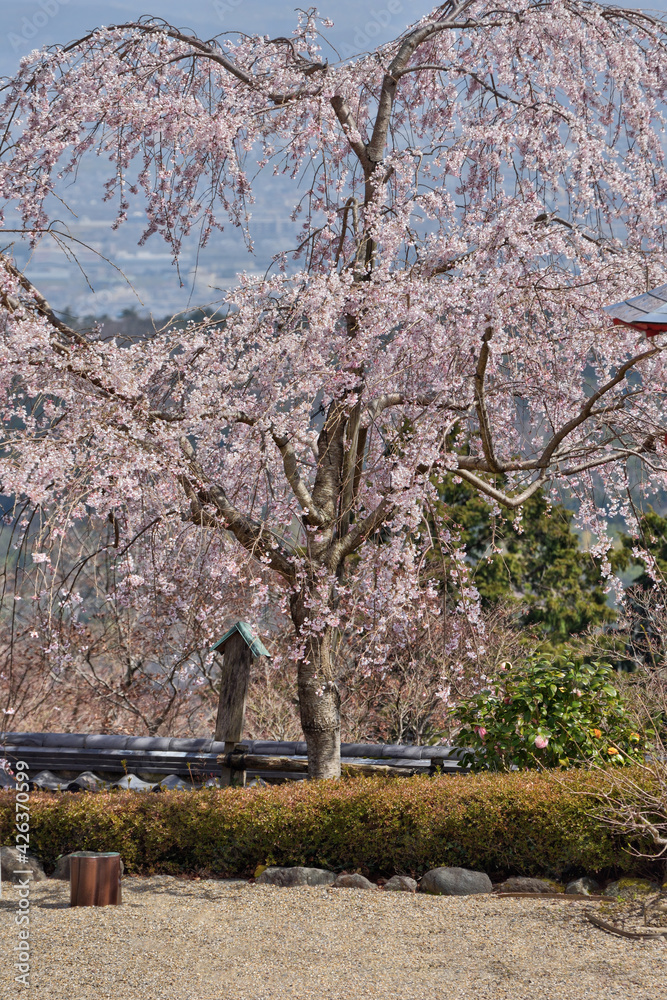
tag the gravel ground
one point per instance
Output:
(174, 939)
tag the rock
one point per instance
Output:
(61, 870)
(655, 912)
(295, 876)
(583, 887)
(631, 888)
(353, 882)
(11, 863)
(400, 883)
(454, 882)
(520, 884)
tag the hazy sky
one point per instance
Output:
(359, 25)
(29, 24)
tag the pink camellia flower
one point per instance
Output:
(481, 731)
(541, 742)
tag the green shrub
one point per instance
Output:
(528, 824)
(548, 713)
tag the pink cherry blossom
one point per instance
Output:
(470, 197)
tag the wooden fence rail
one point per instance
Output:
(237, 760)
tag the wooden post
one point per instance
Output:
(238, 647)
(94, 879)
(237, 657)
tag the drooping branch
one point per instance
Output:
(41, 306)
(541, 221)
(63, 347)
(255, 536)
(410, 44)
(614, 456)
(205, 50)
(588, 407)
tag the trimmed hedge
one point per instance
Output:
(504, 824)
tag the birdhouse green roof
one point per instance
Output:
(257, 647)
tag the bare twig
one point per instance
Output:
(612, 929)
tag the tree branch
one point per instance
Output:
(502, 498)
(330, 460)
(207, 51)
(389, 399)
(360, 532)
(375, 148)
(312, 514)
(480, 402)
(254, 536)
(41, 305)
(346, 119)
(349, 469)
(587, 408)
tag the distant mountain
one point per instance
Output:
(132, 325)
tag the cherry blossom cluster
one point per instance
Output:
(470, 197)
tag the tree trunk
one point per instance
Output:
(319, 700)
